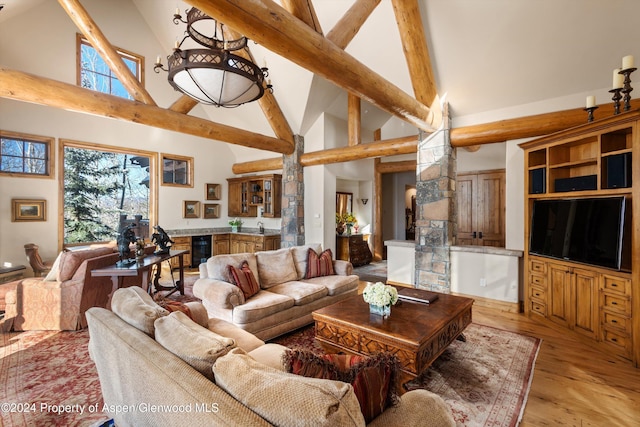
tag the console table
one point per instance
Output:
(353, 248)
(144, 266)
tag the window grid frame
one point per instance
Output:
(38, 139)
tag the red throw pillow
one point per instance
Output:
(321, 265)
(373, 378)
(172, 306)
(244, 279)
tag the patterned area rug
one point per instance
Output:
(484, 380)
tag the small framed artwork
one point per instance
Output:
(212, 192)
(191, 209)
(211, 210)
(28, 210)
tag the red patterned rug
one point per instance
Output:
(484, 380)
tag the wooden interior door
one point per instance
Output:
(467, 201)
(481, 208)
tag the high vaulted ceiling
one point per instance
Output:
(486, 55)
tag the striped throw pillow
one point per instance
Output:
(319, 265)
(244, 279)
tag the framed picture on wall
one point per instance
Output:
(212, 191)
(28, 210)
(211, 210)
(191, 209)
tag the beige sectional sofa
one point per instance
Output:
(286, 298)
(158, 368)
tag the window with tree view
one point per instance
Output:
(103, 189)
(25, 154)
(95, 74)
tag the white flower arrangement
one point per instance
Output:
(380, 294)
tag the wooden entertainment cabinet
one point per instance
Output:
(601, 158)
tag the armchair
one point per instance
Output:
(40, 268)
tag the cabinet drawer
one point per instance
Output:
(538, 293)
(617, 322)
(538, 308)
(619, 341)
(616, 284)
(538, 280)
(616, 303)
(537, 266)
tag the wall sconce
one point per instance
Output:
(364, 201)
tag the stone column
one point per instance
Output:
(436, 209)
(292, 233)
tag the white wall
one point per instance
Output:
(50, 52)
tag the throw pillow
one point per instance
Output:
(285, 399)
(373, 378)
(244, 279)
(319, 265)
(197, 346)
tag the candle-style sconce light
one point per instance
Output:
(590, 107)
(627, 69)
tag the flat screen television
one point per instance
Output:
(586, 230)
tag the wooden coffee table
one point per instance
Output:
(416, 333)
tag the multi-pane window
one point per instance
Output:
(95, 74)
(25, 155)
(177, 170)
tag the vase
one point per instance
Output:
(235, 228)
(340, 229)
(381, 310)
(349, 229)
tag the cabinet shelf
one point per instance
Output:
(593, 160)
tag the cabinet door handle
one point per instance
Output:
(614, 339)
(480, 235)
(614, 321)
(614, 285)
(474, 235)
(614, 303)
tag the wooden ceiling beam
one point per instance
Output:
(26, 87)
(267, 23)
(304, 11)
(107, 52)
(354, 122)
(348, 26)
(416, 51)
(184, 104)
(389, 147)
(527, 127)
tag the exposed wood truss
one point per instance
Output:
(29, 88)
(273, 27)
(391, 147)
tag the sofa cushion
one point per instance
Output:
(261, 305)
(301, 292)
(373, 378)
(335, 285)
(300, 255)
(276, 267)
(245, 340)
(244, 278)
(71, 260)
(319, 265)
(270, 354)
(197, 346)
(286, 399)
(217, 265)
(137, 308)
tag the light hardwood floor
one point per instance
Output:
(574, 383)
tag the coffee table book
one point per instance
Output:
(417, 295)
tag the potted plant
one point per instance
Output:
(236, 224)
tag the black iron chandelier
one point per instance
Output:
(213, 75)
